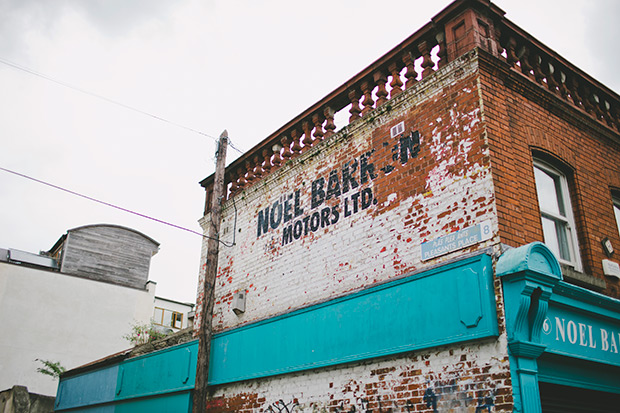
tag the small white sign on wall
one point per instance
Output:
(611, 268)
(463, 238)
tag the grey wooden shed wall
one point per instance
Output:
(108, 253)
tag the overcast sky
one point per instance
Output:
(244, 66)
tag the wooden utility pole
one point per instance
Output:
(206, 314)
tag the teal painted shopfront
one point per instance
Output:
(563, 339)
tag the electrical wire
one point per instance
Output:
(86, 92)
(123, 209)
(233, 243)
(241, 151)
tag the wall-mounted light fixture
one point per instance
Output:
(607, 247)
(238, 302)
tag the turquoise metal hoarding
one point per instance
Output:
(161, 382)
(89, 389)
(448, 304)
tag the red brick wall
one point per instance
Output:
(478, 123)
(478, 130)
(523, 117)
(404, 384)
(445, 187)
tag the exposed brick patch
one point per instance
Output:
(448, 379)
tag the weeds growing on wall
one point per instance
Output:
(143, 333)
(50, 368)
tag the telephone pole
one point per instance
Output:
(206, 314)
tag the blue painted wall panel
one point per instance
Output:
(448, 304)
(91, 388)
(445, 305)
(168, 403)
(162, 381)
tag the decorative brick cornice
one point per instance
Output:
(461, 27)
(545, 98)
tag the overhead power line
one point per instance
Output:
(114, 102)
(114, 206)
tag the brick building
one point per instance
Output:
(388, 239)
(436, 234)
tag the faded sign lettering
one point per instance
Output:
(347, 187)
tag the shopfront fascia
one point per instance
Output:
(558, 333)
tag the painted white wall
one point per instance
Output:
(52, 316)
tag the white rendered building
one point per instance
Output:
(73, 304)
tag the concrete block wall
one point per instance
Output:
(17, 399)
(431, 180)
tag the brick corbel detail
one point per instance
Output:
(467, 31)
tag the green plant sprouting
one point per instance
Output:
(142, 333)
(50, 368)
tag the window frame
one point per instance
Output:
(615, 198)
(177, 317)
(161, 320)
(568, 220)
(174, 317)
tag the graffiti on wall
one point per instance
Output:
(281, 407)
(454, 393)
(344, 192)
(457, 393)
